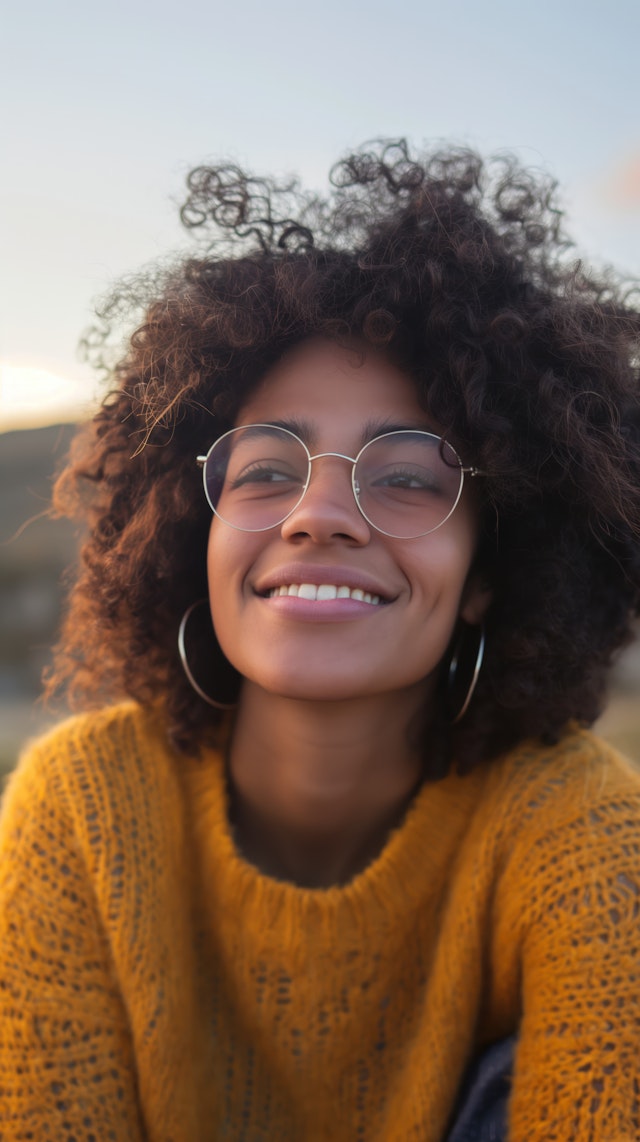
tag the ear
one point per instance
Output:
(476, 599)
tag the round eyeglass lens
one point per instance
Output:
(407, 483)
(255, 476)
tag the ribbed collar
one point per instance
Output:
(401, 880)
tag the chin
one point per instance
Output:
(301, 689)
(328, 685)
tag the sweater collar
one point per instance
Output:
(398, 881)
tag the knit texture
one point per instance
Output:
(154, 985)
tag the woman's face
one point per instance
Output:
(341, 648)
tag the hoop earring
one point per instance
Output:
(216, 665)
(453, 673)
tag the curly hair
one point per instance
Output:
(459, 270)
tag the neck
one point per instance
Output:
(317, 786)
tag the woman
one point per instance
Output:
(353, 838)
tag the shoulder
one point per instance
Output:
(114, 765)
(107, 737)
(568, 823)
(94, 731)
(539, 785)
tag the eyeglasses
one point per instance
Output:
(406, 484)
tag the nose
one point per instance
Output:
(328, 509)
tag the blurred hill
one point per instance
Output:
(36, 550)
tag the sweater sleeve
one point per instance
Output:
(66, 1062)
(574, 891)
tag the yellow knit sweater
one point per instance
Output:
(153, 985)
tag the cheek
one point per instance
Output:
(229, 546)
(221, 562)
(226, 559)
(215, 557)
(439, 568)
(230, 556)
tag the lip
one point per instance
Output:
(317, 573)
(328, 611)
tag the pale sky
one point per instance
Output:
(105, 107)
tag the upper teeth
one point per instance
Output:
(324, 591)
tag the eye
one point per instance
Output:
(264, 472)
(406, 478)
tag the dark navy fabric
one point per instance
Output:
(482, 1107)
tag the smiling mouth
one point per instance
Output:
(324, 592)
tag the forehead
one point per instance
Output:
(319, 382)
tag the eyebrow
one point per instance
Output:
(372, 428)
(375, 428)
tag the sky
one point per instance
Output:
(105, 108)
